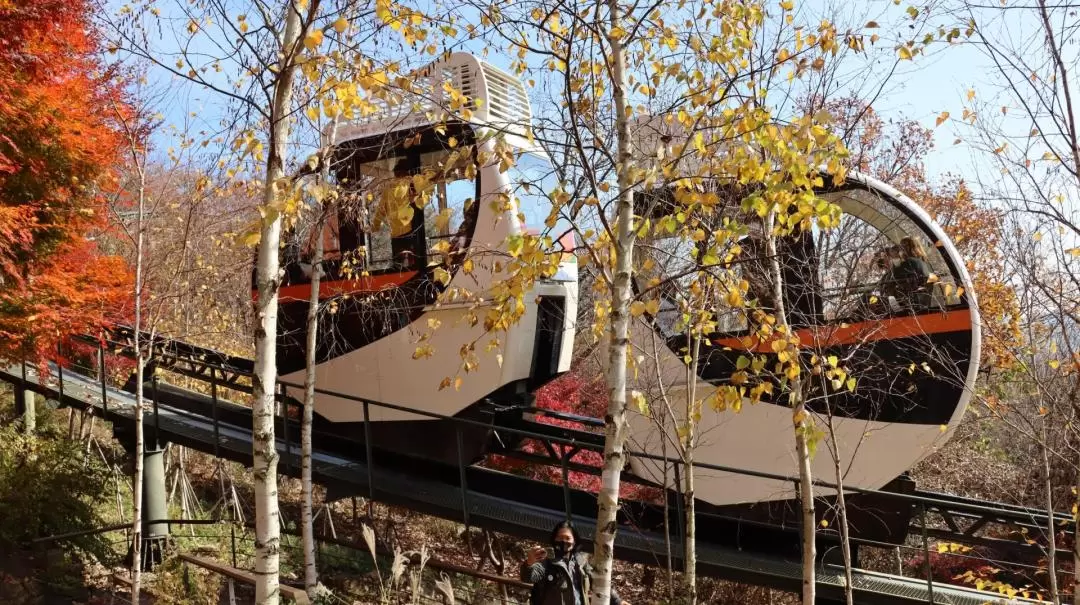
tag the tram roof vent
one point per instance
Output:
(459, 86)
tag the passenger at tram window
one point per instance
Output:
(886, 261)
(912, 274)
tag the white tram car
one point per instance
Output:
(893, 419)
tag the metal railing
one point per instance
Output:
(921, 503)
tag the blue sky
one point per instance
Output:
(920, 90)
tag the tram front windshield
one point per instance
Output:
(878, 262)
(401, 213)
(533, 181)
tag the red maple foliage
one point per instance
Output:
(59, 144)
(571, 393)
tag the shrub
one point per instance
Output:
(47, 487)
(572, 394)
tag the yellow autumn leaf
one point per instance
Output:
(905, 53)
(941, 118)
(313, 39)
(637, 308)
(251, 238)
(442, 220)
(787, 5)
(340, 25)
(799, 417)
(734, 298)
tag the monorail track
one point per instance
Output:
(515, 505)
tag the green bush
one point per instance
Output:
(48, 487)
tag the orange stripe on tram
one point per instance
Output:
(373, 283)
(863, 331)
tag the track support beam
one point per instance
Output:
(155, 530)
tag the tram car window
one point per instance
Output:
(884, 291)
(423, 209)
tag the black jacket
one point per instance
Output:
(552, 584)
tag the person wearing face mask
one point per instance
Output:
(564, 577)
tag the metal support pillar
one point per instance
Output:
(155, 530)
(29, 403)
(26, 408)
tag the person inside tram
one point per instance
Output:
(912, 274)
(886, 261)
(906, 275)
(563, 577)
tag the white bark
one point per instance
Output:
(841, 507)
(690, 554)
(308, 531)
(29, 412)
(267, 522)
(799, 418)
(619, 341)
(661, 423)
(1076, 550)
(1051, 537)
(140, 364)
(136, 521)
(311, 577)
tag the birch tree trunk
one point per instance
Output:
(690, 546)
(661, 423)
(140, 365)
(799, 420)
(1076, 548)
(311, 577)
(1051, 535)
(619, 341)
(267, 529)
(841, 507)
